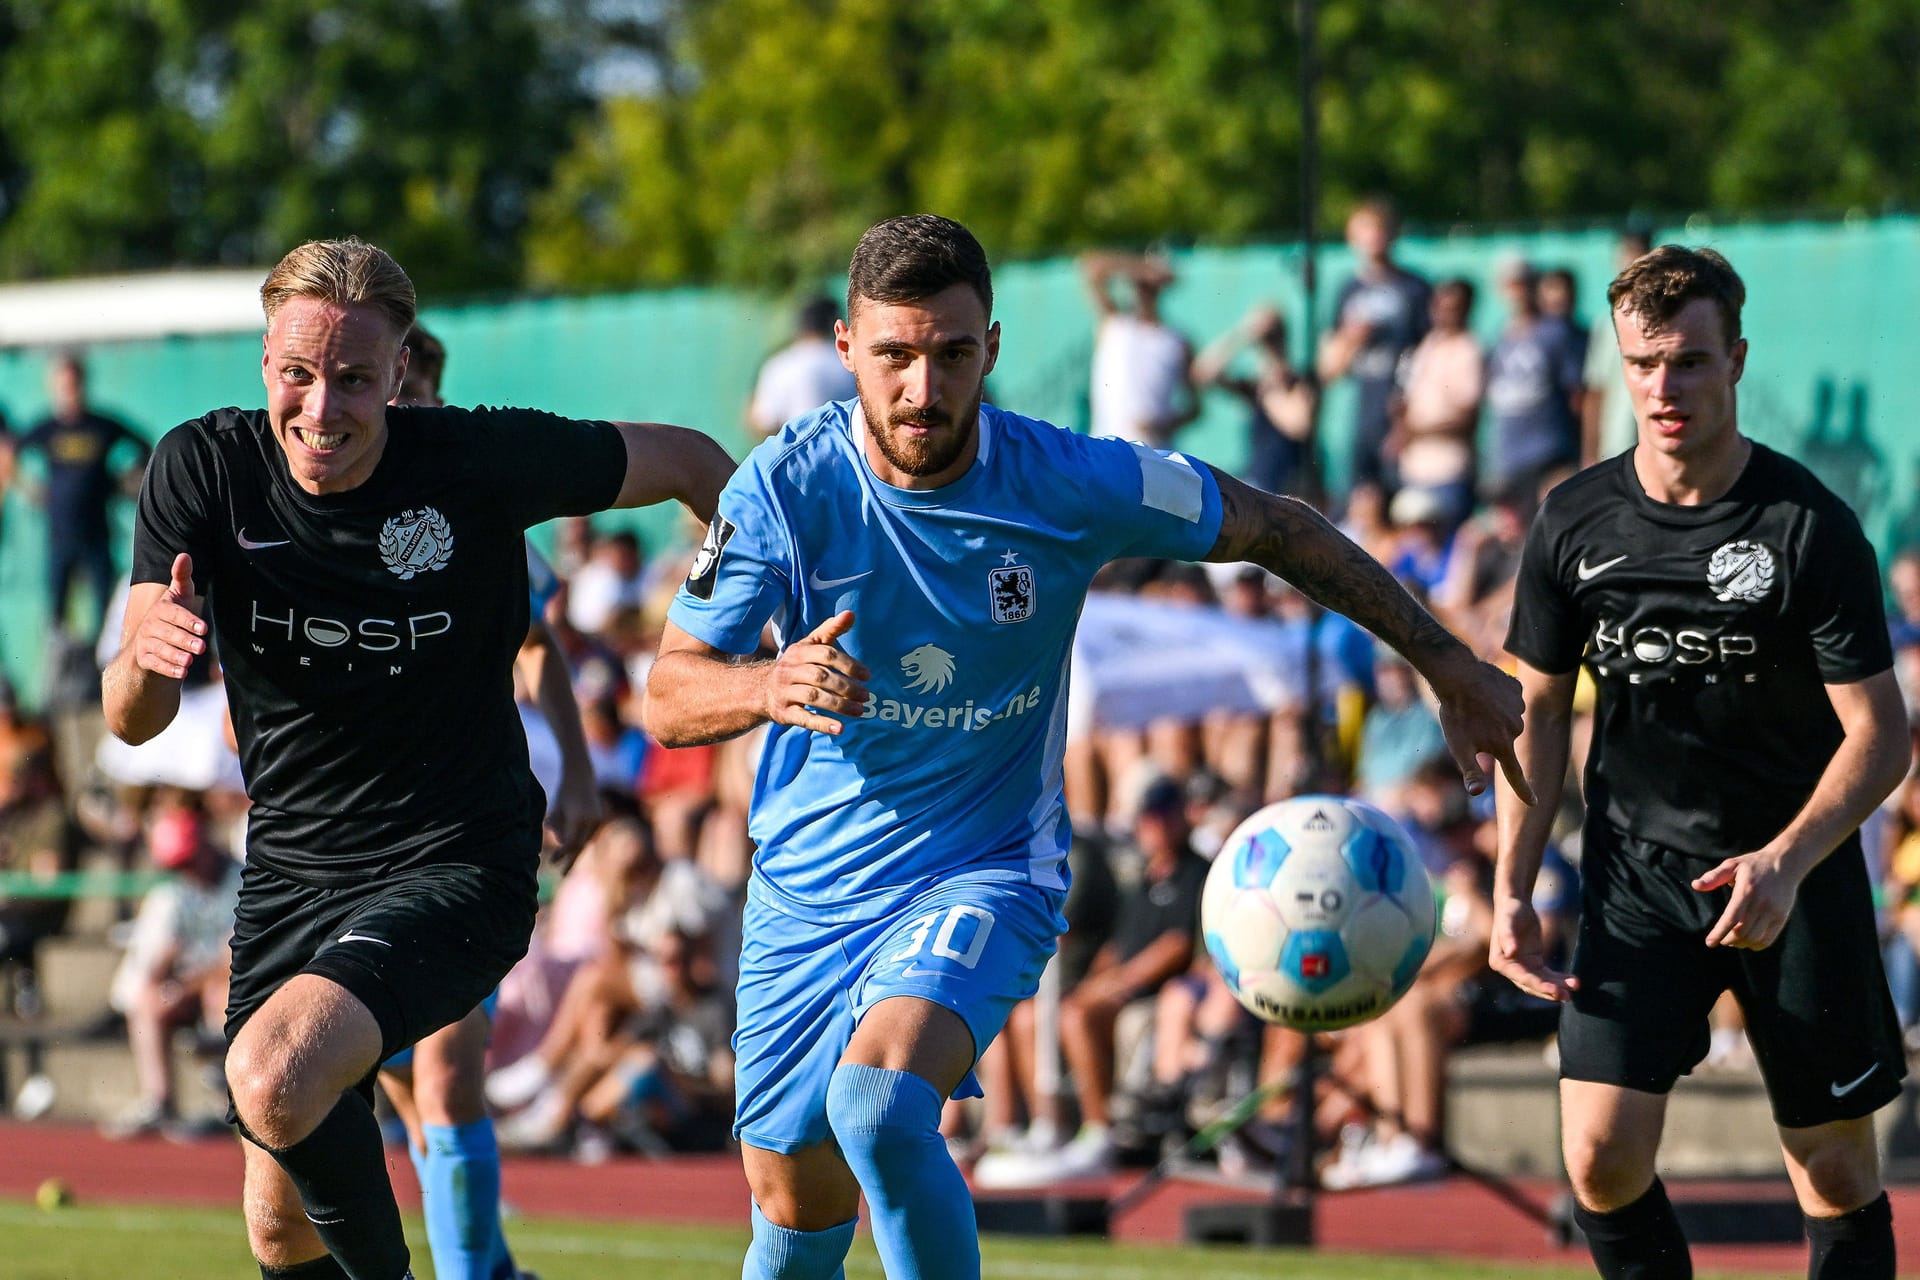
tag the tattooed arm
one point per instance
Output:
(1479, 705)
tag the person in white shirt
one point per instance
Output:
(803, 375)
(1142, 388)
(175, 970)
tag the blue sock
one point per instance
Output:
(781, 1253)
(888, 1124)
(460, 1190)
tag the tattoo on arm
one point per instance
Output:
(1288, 537)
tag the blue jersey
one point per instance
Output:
(543, 584)
(965, 601)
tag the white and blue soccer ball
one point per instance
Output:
(1318, 912)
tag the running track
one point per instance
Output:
(1455, 1217)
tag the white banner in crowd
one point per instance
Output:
(1136, 660)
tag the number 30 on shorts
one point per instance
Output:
(962, 936)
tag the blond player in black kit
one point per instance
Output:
(1729, 610)
(362, 567)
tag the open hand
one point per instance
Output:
(1518, 954)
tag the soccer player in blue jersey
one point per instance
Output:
(923, 559)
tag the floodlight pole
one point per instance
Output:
(1309, 174)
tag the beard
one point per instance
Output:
(923, 455)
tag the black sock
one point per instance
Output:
(1857, 1245)
(340, 1171)
(1640, 1242)
(322, 1268)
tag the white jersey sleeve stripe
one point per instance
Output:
(1169, 483)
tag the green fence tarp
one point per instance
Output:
(1830, 316)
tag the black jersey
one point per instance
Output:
(367, 637)
(1711, 632)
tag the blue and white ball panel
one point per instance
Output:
(976, 946)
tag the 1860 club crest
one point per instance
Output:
(416, 541)
(1010, 593)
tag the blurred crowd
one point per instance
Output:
(613, 1033)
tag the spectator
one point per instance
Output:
(1283, 405)
(1903, 578)
(1457, 999)
(1424, 546)
(1142, 382)
(1554, 295)
(608, 582)
(1606, 415)
(661, 896)
(669, 1083)
(1153, 941)
(616, 748)
(1533, 389)
(1437, 411)
(37, 839)
(176, 968)
(79, 447)
(1399, 735)
(1380, 315)
(804, 374)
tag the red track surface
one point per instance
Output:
(1456, 1217)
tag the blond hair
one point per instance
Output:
(345, 273)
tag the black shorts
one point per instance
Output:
(420, 948)
(1818, 1013)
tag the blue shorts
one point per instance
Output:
(976, 947)
(403, 1060)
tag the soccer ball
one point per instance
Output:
(1318, 912)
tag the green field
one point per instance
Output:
(111, 1243)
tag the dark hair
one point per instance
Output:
(1462, 286)
(1381, 207)
(909, 258)
(429, 355)
(1563, 276)
(1657, 286)
(818, 314)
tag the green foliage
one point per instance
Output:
(763, 135)
(160, 132)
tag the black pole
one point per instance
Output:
(1309, 173)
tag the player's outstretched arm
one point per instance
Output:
(163, 633)
(1479, 704)
(672, 463)
(1516, 948)
(697, 693)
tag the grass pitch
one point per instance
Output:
(94, 1242)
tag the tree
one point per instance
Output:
(163, 132)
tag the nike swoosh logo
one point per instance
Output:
(248, 544)
(1842, 1090)
(1586, 570)
(819, 583)
(915, 971)
(361, 937)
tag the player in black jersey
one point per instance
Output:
(364, 570)
(1729, 610)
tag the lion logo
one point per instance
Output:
(929, 669)
(415, 541)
